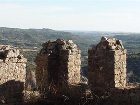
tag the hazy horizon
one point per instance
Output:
(86, 31)
(75, 15)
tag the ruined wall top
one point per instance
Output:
(109, 44)
(107, 64)
(58, 63)
(60, 44)
(10, 54)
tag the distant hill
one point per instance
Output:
(30, 37)
(131, 42)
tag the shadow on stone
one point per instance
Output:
(11, 92)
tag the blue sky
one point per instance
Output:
(86, 15)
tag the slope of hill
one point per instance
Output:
(131, 42)
(30, 37)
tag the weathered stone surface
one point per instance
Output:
(107, 64)
(58, 64)
(12, 72)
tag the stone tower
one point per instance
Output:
(58, 64)
(107, 64)
(12, 72)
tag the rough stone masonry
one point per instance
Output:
(12, 71)
(107, 64)
(58, 64)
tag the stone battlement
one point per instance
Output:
(12, 72)
(107, 64)
(11, 54)
(58, 63)
(12, 64)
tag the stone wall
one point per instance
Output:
(107, 64)
(58, 65)
(12, 72)
(117, 96)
